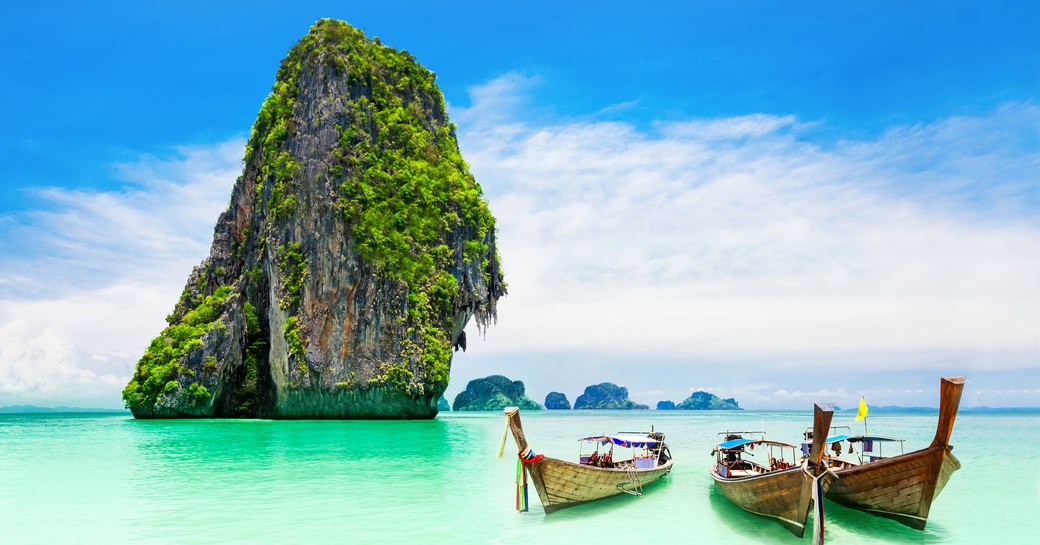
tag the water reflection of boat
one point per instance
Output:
(783, 489)
(623, 463)
(900, 487)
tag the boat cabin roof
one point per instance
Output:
(736, 443)
(622, 440)
(858, 438)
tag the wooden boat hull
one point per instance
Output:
(902, 487)
(786, 494)
(563, 484)
(783, 495)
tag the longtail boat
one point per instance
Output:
(900, 487)
(785, 488)
(606, 471)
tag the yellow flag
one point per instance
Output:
(862, 409)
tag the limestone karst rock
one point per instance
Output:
(704, 401)
(557, 401)
(606, 395)
(355, 249)
(493, 393)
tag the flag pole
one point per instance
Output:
(862, 414)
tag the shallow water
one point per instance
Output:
(112, 479)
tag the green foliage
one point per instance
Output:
(159, 367)
(255, 275)
(396, 375)
(291, 330)
(269, 136)
(252, 320)
(197, 393)
(210, 364)
(293, 268)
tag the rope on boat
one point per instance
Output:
(817, 498)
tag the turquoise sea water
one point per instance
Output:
(112, 479)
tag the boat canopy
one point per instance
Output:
(734, 443)
(859, 438)
(836, 438)
(622, 441)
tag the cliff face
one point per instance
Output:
(606, 395)
(493, 393)
(355, 249)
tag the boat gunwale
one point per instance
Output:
(772, 473)
(894, 460)
(626, 471)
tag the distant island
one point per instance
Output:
(557, 401)
(666, 405)
(33, 409)
(704, 401)
(493, 393)
(606, 395)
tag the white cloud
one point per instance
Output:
(97, 271)
(739, 240)
(161, 219)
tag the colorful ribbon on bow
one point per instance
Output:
(524, 457)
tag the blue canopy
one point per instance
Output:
(734, 443)
(836, 438)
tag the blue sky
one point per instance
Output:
(754, 185)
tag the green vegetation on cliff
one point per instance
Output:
(402, 185)
(159, 367)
